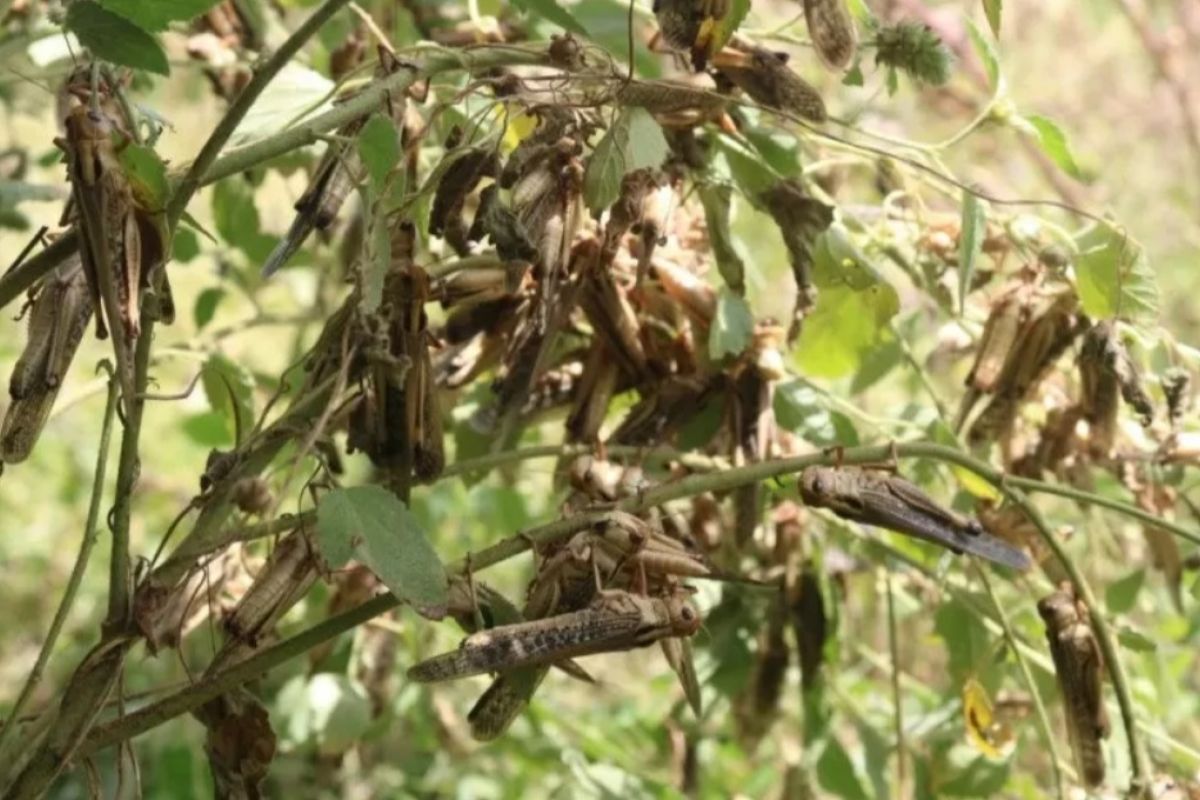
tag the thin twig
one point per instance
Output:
(897, 700)
(90, 534)
(1039, 705)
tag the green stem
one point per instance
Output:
(243, 158)
(894, 650)
(77, 572)
(1039, 705)
(241, 106)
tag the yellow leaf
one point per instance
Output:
(990, 736)
(975, 485)
(519, 126)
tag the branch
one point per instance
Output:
(77, 572)
(240, 159)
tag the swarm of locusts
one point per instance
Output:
(513, 296)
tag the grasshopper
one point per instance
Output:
(887, 501)
(626, 550)
(58, 317)
(339, 171)
(615, 620)
(1080, 669)
(122, 243)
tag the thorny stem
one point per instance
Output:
(81, 562)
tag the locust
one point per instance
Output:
(615, 620)
(1080, 669)
(623, 550)
(122, 244)
(58, 317)
(339, 171)
(873, 497)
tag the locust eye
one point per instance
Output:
(818, 485)
(687, 614)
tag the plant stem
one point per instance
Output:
(894, 650)
(1039, 705)
(77, 572)
(243, 158)
(241, 106)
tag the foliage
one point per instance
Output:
(650, 321)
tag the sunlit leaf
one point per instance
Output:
(379, 147)
(1113, 276)
(732, 327)
(371, 525)
(633, 141)
(970, 244)
(988, 735)
(147, 176)
(993, 9)
(155, 15)
(987, 54)
(1054, 143)
(112, 37)
(845, 326)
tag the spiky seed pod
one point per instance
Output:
(915, 50)
(832, 32)
(766, 77)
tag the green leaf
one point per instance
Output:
(235, 216)
(552, 11)
(845, 327)
(1054, 143)
(802, 410)
(735, 161)
(208, 429)
(326, 710)
(970, 244)
(701, 427)
(147, 174)
(1135, 641)
(993, 9)
(113, 38)
(1121, 594)
(155, 15)
(229, 388)
(967, 640)
(716, 200)
(838, 262)
(728, 24)
(633, 141)
(836, 773)
(1113, 276)
(206, 306)
(987, 54)
(379, 147)
(371, 525)
(185, 246)
(981, 777)
(732, 327)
